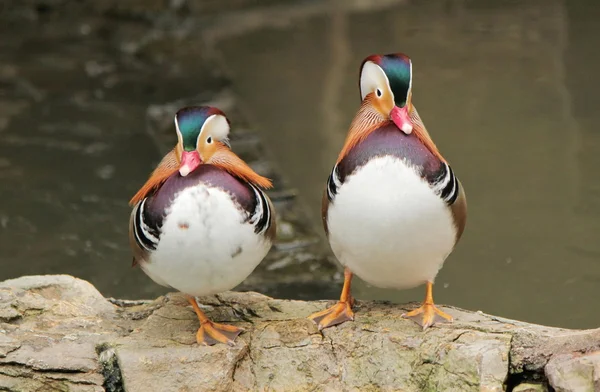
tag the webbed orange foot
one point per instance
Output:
(211, 333)
(340, 312)
(337, 314)
(427, 315)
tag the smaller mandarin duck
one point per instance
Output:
(393, 209)
(202, 223)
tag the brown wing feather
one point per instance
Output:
(459, 211)
(271, 233)
(324, 209)
(166, 167)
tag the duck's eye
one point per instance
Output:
(379, 92)
(209, 140)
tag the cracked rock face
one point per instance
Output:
(59, 333)
(49, 341)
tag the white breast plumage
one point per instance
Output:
(207, 244)
(389, 226)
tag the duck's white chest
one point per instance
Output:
(206, 246)
(388, 226)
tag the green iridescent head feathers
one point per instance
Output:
(397, 68)
(190, 121)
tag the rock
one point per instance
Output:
(40, 293)
(49, 342)
(63, 335)
(530, 387)
(575, 372)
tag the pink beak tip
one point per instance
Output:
(190, 160)
(401, 118)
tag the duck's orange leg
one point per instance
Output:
(340, 312)
(211, 333)
(428, 314)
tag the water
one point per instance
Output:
(75, 88)
(508, 92)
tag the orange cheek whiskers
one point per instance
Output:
(367, 120)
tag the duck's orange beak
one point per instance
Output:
(190, 160)
(401, 118)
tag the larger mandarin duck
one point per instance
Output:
(201, 223)
(393, 209)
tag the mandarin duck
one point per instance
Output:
(202, 223)
(393, 209)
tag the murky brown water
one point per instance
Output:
(508, 92)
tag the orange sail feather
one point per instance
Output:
(234, 165)
(164, 170)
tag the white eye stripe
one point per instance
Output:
(178, 131)
(410, 81)
(373, 78)
(217, 126)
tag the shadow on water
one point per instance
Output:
(508, 92)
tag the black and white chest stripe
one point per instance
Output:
(261, 216)
(333, 183)
(146, 233)
(446, 184)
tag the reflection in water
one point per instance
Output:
(499, 89)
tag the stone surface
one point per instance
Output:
(62, 335)
(575, 372)
(49, 342)
(530, 387)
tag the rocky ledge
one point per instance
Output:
(58, 333)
